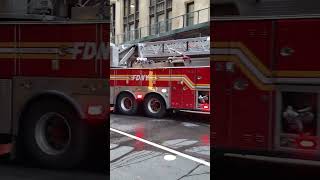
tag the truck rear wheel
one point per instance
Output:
(54, 135)
(154, 106)
(126, 104)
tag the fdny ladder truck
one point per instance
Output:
(54, 71)
(163, 77)
(266, 79)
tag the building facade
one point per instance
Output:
(137, 19)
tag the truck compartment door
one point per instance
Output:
(7, 71)
(203, 88)
(251, 95)
(297, 71)
(242, 65)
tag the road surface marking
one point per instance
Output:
(201, 161)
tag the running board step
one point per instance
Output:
(278, 160)
(196, 112)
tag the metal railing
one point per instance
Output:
(159, 28)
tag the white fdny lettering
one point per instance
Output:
(89, 50)
(139, 77)
(102, 52)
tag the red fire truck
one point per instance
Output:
(54, 75)
(266, 79)
(163, 77)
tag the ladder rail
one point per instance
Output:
(190, 46)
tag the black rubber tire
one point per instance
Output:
(77, 149)
(163, 110)
(134, 108)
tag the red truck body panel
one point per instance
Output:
(51, 64)
(48, 38)
(182, 82)
(67, 54)
(257, 65)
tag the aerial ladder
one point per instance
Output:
(173, 51)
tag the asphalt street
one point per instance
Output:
(10, 171)
(132, 159)
(238, 168)
(188, 144)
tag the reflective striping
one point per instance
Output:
(8, 44)
(239, 49)
(36, 44)
(256, 71)
(8, 56)
(201, 161)
(243, 60)
(30, 50)
(258, 83)
(54, 50)
(35, 56)
(175, 77)
(244, 51)
(36, 50)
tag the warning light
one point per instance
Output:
(95, 110)
(139, 96)
(205, 107)
(164, 90)
(307, 144)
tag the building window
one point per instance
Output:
(132, 6)
(190, 13)
(137, 5)
(152, 26)
(169, 22)
(161, 23)
(113, 20)
(152, 2)
(125, 7)
(160, 13)
(131, 19)
(125, 30)
(131, 32)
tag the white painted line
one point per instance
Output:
(201, 161)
